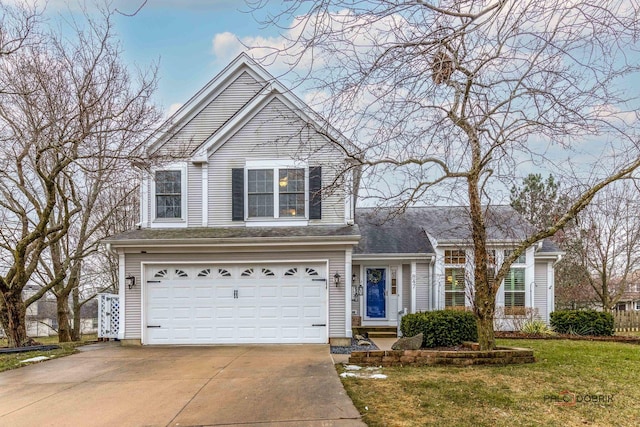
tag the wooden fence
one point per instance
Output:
(625, 321)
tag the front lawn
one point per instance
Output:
(559, 389)
(13, 360)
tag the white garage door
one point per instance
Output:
(236, 304)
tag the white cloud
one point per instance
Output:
(173, 108)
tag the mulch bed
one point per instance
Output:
(8, 350)
(615, 338)
(338, 349)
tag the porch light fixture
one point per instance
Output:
(353, 278)
(357, 292)
(130, 280)
(336, 279)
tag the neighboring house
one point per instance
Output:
(630, 300)
(240, 241)
(42, 319)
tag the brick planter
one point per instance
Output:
(425, 357)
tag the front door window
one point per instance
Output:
(376, 293)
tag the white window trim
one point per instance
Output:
(170, 222)
(275, 220)
(500, 255)
(467, 270)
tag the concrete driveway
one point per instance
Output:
(290, 385)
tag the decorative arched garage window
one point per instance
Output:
(181, 274)
(224, 273)
(247, 273)
(205, 273)
(291, 272)
(268, 273)
(161, 273)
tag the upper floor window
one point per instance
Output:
(168, 194)
(522, 259)
(260, 192)
(276, 199)
(455, 257)
(276, 190)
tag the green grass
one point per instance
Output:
(509, 395)
(12, 360)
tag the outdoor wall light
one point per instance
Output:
(357, 292)
(130, 281)
(336, 279)
(353, 278)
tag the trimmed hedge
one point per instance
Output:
(582, 322)
(442, 328)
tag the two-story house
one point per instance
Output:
(240, 241)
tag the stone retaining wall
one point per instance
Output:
(500, 356)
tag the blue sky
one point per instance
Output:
(180, 35)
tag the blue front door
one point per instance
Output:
(376, 293)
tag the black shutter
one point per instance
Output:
(237, 194)
(315, 192)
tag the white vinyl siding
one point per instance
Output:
(406, 287)
(272, 134)
(217, 112)
(194, 189)
(422, 286)
(337, 327)
(541, 291)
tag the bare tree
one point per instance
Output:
(609, 243)
(446, 100)
(68, 106)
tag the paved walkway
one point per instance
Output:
(280, 385)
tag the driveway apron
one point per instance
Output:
(294, 385)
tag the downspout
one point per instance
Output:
(433, 303)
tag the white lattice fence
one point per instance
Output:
(108, 315)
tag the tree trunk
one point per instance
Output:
(64, 325)
(485, 312)
(76, 332)
(13, 317)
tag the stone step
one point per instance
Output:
(377, 331)
(393, 334)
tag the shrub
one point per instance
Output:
(536, 327)
(443, 328)
(582, 322)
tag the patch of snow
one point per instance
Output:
(378, 376)
(35, 359)
(352, 367)
(371, 373)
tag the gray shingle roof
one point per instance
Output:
(225, 234)
(452, 223)
(382, 235)
(405, 233)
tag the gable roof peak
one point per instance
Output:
(240, 64)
